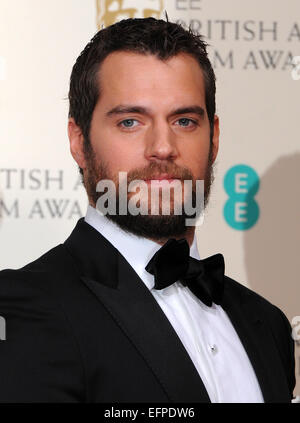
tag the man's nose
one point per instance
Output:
(160, 143)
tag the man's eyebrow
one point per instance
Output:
(124, 109)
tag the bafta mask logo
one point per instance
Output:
(111, 11)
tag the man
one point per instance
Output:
(123, 310)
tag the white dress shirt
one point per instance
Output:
(206, 332)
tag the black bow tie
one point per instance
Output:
(205, 278)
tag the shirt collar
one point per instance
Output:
(136, 250)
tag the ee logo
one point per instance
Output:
(241, 210)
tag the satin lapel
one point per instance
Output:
(133, 307)
(255, 335)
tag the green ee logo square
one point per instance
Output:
(241, 210)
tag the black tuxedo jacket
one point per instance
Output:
(82, 327)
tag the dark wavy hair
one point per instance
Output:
(163, 39)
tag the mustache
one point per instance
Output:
(155, 169)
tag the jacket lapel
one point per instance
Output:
(117, 286)
(255, 334)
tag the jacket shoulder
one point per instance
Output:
(53, 262)
(39, 341)
(272, 312)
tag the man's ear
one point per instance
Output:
(76, 143)
(215, 139)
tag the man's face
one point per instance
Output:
(137, 128)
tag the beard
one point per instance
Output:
(153, 226)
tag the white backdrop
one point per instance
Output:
(252, 47)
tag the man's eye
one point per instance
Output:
(127, 123)
(186, 121)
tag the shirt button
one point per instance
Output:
(213, 349)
